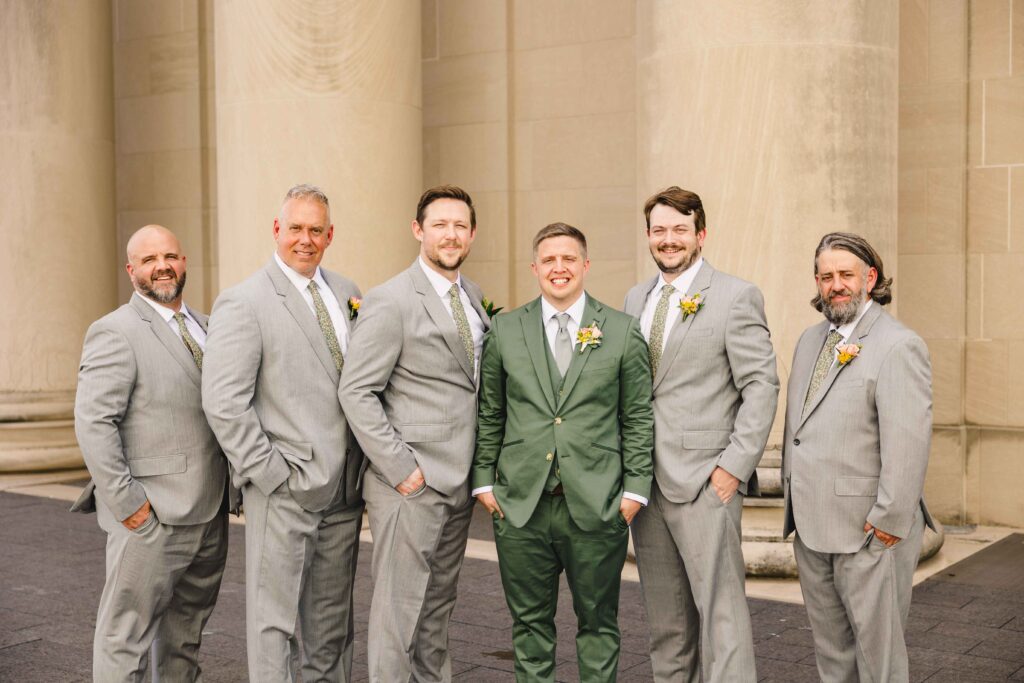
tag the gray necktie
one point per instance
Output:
(323, 318)
(822, 366)
(563, 345)
(654, 346)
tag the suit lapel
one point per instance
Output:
(476, 299)
(593, 313)
(803, 368)
(533, 335)
(174, 345)
(203, 320)
(442, 319)
(701, 283)
(635, 306)
(859, 333)
(292, 300)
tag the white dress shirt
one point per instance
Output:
(331, 303)
(191, 324)
(682, 284)
(549, 320)
(442, 285)
(847, 329)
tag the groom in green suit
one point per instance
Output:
(563, 456)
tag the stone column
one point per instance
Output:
(58, 265)
(328, 93)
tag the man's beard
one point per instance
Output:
(164, 297)
(841, 314)
(435, 258)
(687, 261)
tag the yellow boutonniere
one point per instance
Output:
(848, 352)
(589, 336)
(691, 304)
(353, 307)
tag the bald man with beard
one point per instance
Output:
(159, 479)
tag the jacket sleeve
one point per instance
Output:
(231, 366)
(106, 379)
(490, 430)
(903, 399)
(636, 417)
(748, 346)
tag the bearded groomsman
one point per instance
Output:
(858, 429)
(270, 391)
(409, 390)
(563, 457)
(158, 476)
(715, 395)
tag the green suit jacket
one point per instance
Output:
(601, 426)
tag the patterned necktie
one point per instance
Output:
(563, 346)
(822, 366)
(654, 346)
(326, 326)
(462, 323)
(190, 342)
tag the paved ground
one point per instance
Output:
(966, 624)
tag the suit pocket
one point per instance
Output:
(706, 440)
(161, 464)
(602, 447)
(856, 486)
(513, 442)
(422, 433)
(294, 450)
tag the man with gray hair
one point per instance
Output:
(158, 476)
(270, 391)
(858, 428)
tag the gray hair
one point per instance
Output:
(307, 191)
(859, 247)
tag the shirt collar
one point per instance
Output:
(682, 282)
(575, 311)
(847, 329)
(166, 313)
(300, 281)
(439, 282)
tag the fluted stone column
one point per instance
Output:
(326, 92)
(58, 264)
(783, 116)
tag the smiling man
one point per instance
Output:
(858, 430)
(270, 390)
(158, 476)
(410, 393)
(563, 456)
(715, 395)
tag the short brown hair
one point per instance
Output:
(445, 192)
(859, 247)
(560, 230)
(683, 201)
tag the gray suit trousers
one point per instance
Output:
(419, 542)
(692, 575)
(162, 583)
(299, 566)
(858, 604)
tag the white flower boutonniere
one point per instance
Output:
(589, 336)
(691, 304)
(847, 352)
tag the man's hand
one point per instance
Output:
(413, 483)
(888, 539)
(488, 500)
(724, 485)
(629, 507)
(138, 517)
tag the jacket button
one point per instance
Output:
(549, 457)
(796, 442)
(558, 420)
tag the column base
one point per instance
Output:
(37, 432)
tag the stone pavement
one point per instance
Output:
(966, 623)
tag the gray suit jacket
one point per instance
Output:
(716, 389)
(140, 423)
(270, 391)
(408, 388)
(861, 451)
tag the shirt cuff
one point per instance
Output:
(626, 494)
(482, 489)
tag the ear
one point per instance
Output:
(277, 228)
(701, 236)
(330, 235)
(872, 279)
(128, 268)
(417, 231)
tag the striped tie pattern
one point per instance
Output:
(326, 326)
